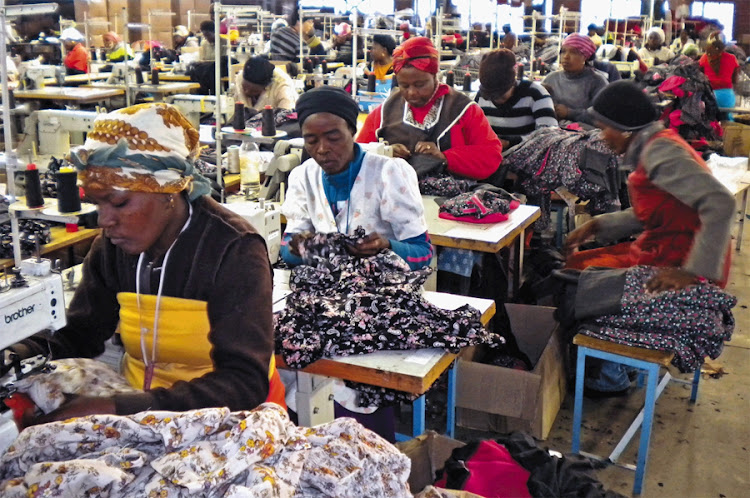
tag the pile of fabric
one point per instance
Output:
(480, 206)
(211, 452)
(581, 162)
(693, 322)
(693, 112)
(345, 305)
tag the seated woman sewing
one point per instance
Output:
(341, 187)
(574, 87)
(260, 84)
(186, 282)
(428, 121)
(681, 215)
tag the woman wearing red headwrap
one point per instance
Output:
(425, 117)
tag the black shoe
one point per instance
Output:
(595, 394)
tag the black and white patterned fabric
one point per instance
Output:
(345, 305)
(480, 203)
(693, 322)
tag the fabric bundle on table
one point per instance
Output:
(210, 452)
(693, 322)
(446, 185)
(344, 305)
(581, 162)
(479, 206)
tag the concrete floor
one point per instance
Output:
(700, 450)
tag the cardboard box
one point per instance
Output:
(736, 139)
(498, 399)
(89, 9)
(428, 454)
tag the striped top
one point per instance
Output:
(530, 107)
(285, 44)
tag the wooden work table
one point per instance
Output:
(61, 239)
(81, 95)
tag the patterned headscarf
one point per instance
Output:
(581, 43)
(418, 52)
(142, 148)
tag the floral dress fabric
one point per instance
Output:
(581, 162)
(693, 322)
(343, 305)
(209, 453)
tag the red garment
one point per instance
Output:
(418, 52)
(669, 225)
(77, 58)
(475, 149)
(727, 66)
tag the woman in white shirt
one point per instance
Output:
(260, 84)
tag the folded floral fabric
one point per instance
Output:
(479, 206)
(209, 453)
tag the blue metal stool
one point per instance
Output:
(648, 361)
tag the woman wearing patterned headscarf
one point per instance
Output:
(186, 282)
(426, 117)
(574, 87)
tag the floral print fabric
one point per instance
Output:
(693, 322)
(209, 453)
(344, 305)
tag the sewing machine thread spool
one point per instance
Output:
(238, 121)
(34, 197)
(68, 197)
(467, 82)
(94, 54)
(450, 78)
(371, 82)
(139, 76)
(324, 66)
(154, 76)
(233, 159)
(268, 124)
(308, 66)
(520, 70)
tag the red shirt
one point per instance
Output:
(727, 65)
(475, 149)
(77, 58)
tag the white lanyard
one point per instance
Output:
(150, 362)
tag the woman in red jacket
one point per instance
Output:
(76, 56)
(426, 117)
(722, 70)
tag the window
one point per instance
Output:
(598, 11)
(721, 11)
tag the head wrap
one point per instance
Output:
(343, 29)
(142, 148)
(658, 31)
(329, 99)
(418, 52)
(112, 36)
(278, 23)
(582, 44)
(690, 50)
(497, 71)
(71, 34)
(623, 106)
(385, 41)
(181, 30)
(258, 70)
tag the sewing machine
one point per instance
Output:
(194, 106)
(55, 126)
(122, 74)
(266, 219)
(31, 77)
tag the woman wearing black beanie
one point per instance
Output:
(681, 215)
(260, 84)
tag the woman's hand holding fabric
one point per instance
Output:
(297, 240)
(76, 406)
(430, 149)
(401, 151)
(669, 278)
(369, 245)
(561, 111)
(580, 235)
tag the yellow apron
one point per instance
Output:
(183, 351)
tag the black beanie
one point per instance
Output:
(258, 70)
(623, 106)
(329, 99)
(497, 71)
